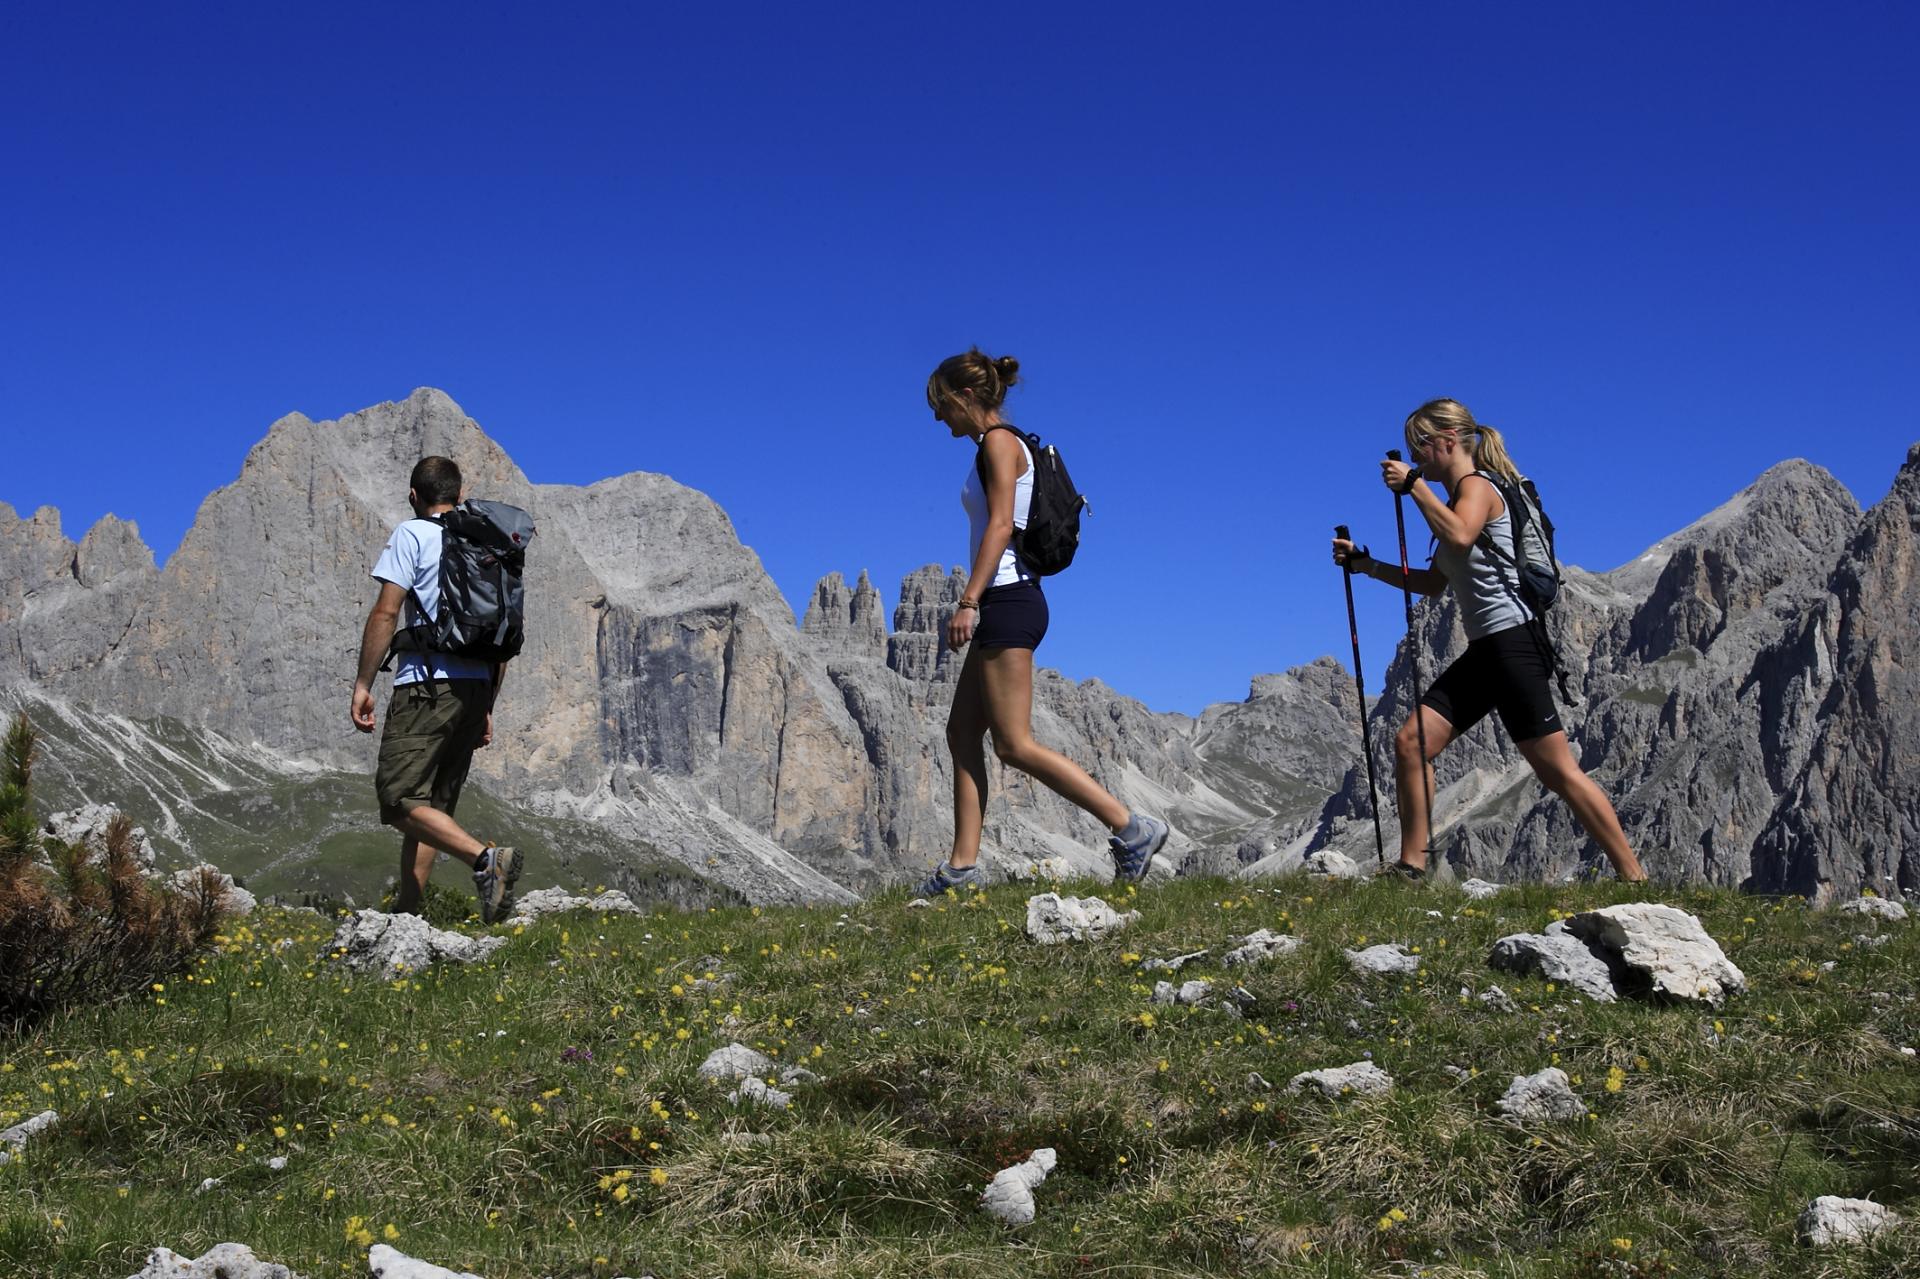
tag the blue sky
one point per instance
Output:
(1661, 246)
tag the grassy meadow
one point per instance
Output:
(540, 1114)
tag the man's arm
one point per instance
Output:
(381, 623)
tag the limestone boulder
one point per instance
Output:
(1544, 1097)
(1558, 958)
(390, 1263)
(1053, 919)
(1009, 1196)
(1831, 1221)
(14, 1140)
(375, 942)
(1662, 947)
(1360, 1079)
(1385, 960)
(1875, 908)
(222, 1261)
(1258, 947)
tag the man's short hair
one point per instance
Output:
(436, 481)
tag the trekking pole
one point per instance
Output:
(1360, 689)
(1413, 647)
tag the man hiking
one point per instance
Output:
(441, 710)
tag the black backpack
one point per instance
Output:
(1533, 559)
(483, 548)
(1052, 535)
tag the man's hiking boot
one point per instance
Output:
(946, 876)
(1133, 855)
(494, 876)
(1402, 870)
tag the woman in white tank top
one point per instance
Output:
(999, 620)
(1508, 663)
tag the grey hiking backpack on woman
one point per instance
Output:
(1532, 559)
(1052, 535)
(482, 614)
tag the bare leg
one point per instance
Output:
(428, 832)
(1007, 678)
(966, 740)
(1553, 763)
(1410, 787)
(416, 864)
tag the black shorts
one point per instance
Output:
(1509, 671)
(1012, 616)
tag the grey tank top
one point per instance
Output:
(1487, 589)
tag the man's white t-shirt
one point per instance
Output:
(411, 561)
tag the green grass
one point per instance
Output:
(460, 1108)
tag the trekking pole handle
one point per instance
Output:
(1342, 532)
(1393, 455)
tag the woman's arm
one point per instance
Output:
(1458, 525)
(1425, 581)
(1000, 469)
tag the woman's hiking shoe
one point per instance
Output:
(1402, 870)
(946, 876)
(494, 876)
(1134, 847)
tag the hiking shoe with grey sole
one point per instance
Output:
(1132, 861)
(1402, 870)
(493, 880)
(946, 876)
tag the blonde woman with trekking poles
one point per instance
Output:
(1000, 620)
(1509, 663)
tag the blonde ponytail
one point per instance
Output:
(1443, 416)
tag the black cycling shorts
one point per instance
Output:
(1012, 616)
(1509, 671)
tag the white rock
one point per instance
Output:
(1666, 946)
(278, 1163)
(15, 1138)
(1049, 868)
(390, 1263)
(1831, 1220)
(1460, 1073)
(918, 903)
(1258, 947)
(1009, 1196)
(1361, 1079)
(87, 825)
(1498, 1000)
(1878, 908)
(223, 1261)
(1193, 994)
(210, 1183)
(1329, 864)
(1384, 960)
(1557, 957)
(1872, 941)
(1173, 965)
(1052, 919)
(234, 899)
(1545, 1097)
(374, 941)
(1480, 889)
(736, 1061)
(554, 901)
(761, 1093)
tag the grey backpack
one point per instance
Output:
(1532, 556)
(482, 613)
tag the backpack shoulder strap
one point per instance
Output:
(1032, 443)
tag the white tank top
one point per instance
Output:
(973, 496)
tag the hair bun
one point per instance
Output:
(1008, 368)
